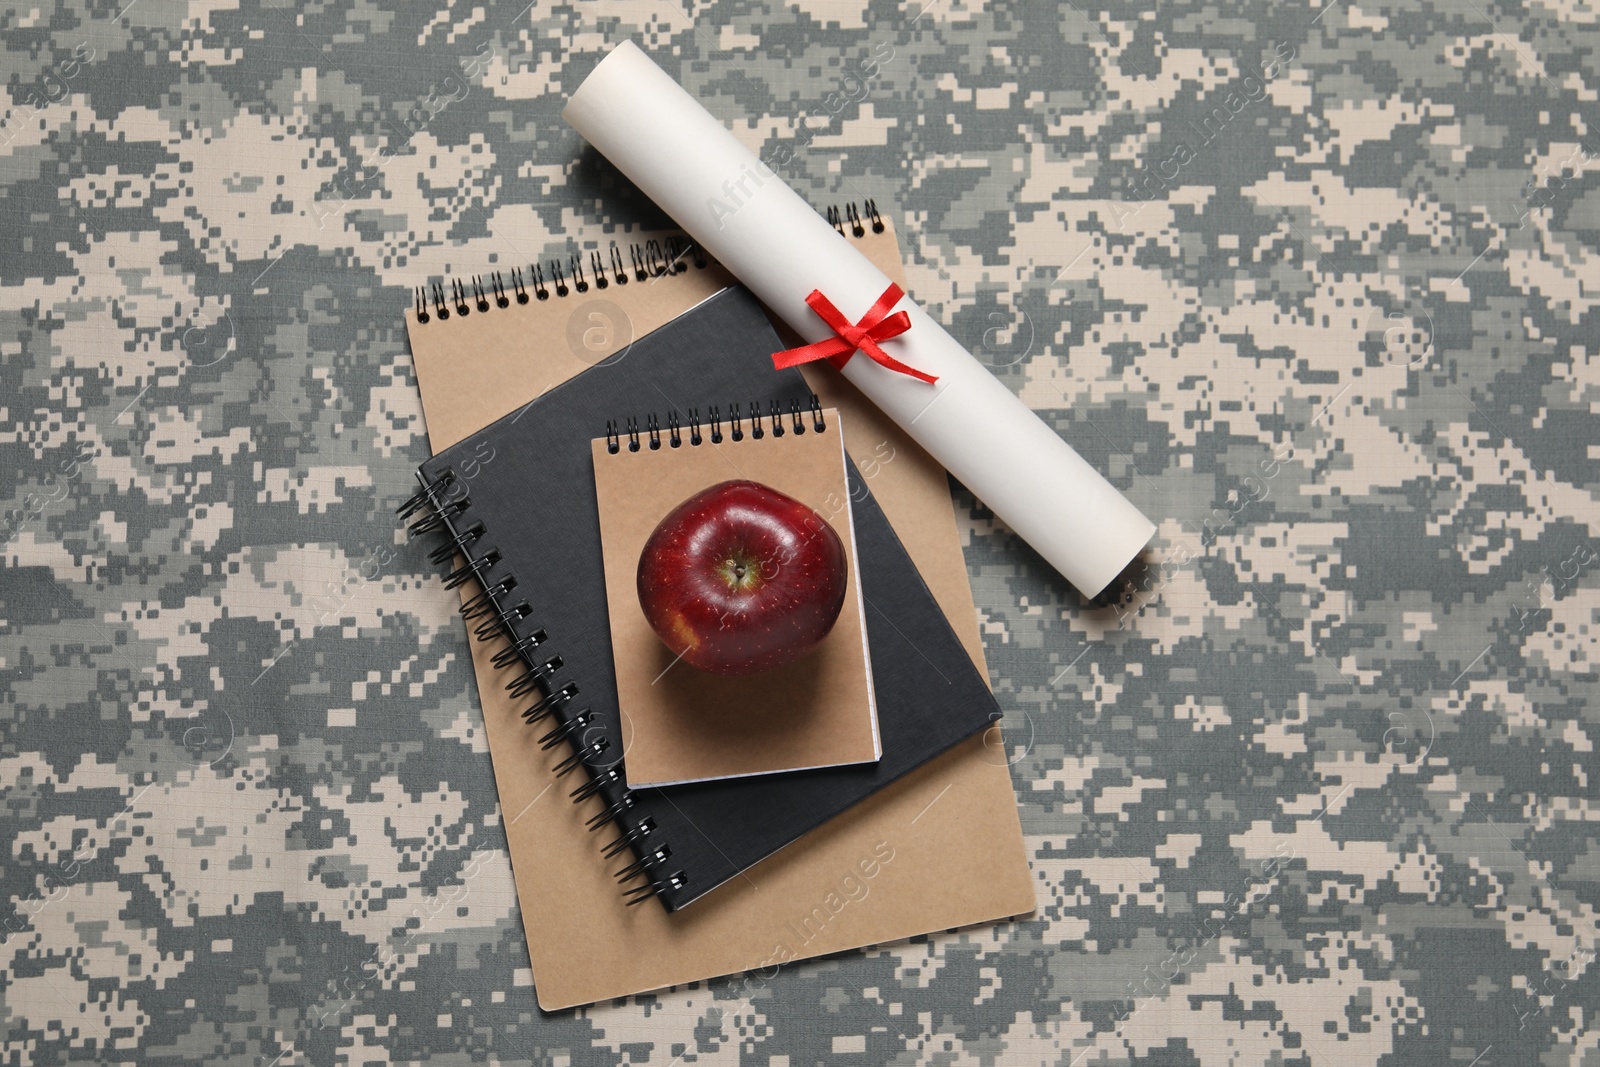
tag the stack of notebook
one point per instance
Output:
(732, 871)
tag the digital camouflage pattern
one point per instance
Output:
(1316, 285)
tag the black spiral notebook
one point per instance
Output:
(517, 501)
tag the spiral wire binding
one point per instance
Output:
(760, 425)
(853, 218)
(440, 503)
(559, 277)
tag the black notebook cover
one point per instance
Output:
(529, 480)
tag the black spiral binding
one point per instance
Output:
(655, 258)
(441, 503)
(709, 428)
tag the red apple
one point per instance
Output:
(741, 578)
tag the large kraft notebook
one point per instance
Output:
(943, 844)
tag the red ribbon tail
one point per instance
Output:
(884, 359)
(831, 348)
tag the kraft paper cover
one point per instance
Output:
(950, 829)
(690, 725)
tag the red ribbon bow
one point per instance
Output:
(876, 325)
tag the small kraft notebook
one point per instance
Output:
(691, 725)
(959, 855)
(519, 500)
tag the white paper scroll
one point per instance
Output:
(779, 247)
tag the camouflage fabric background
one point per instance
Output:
(1317, 285)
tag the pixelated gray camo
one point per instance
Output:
(1315, 284)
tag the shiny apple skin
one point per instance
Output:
(741, 578)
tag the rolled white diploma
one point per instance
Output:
(776, 244)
